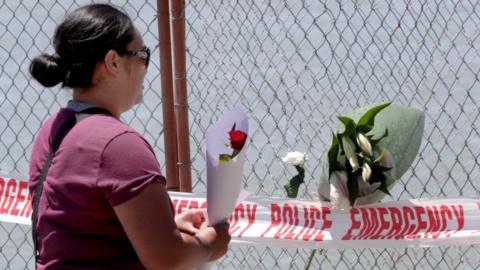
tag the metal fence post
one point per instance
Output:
(169, 119)
(177, 33)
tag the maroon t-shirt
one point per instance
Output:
(101, 163)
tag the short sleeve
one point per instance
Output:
(128, 164)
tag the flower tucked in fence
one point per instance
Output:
(296, 159)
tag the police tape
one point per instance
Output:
(281, 222)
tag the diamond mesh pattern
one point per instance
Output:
(294, 66)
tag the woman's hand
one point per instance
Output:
(157, 237)
(190, 220)
(216, 238)
(213, 238)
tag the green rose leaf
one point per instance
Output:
(224, 158)
(292, 187)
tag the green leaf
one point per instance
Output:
(235, 153)
(384, 188)
(332, 154)
(350, 126)
(377, 174)
(300, 170)
(379, 177)
(352, 186)
(224, 158)
(364, 128)
(383, 169)
(292, 187)
(367, 120)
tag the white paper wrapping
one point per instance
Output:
(224, 181)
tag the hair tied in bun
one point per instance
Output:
(47, 70)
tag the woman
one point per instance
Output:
(103, 202)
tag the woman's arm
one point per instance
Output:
(149, 224)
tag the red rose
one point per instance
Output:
(237, 139)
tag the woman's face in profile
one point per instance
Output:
(136, 69)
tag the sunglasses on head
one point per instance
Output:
(144, 54)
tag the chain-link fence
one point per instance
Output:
(294, 66)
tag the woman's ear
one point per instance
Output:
(112, 63)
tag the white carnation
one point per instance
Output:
(294, 158)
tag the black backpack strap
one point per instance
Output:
(64, 122)
(36, 201)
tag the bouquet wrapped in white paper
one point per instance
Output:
(226, 147)
(371, 152)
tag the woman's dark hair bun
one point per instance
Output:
(47, 70)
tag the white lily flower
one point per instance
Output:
(349, 148)
(366, 172)
(295, 158)
(339, 190)
(364, 143)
